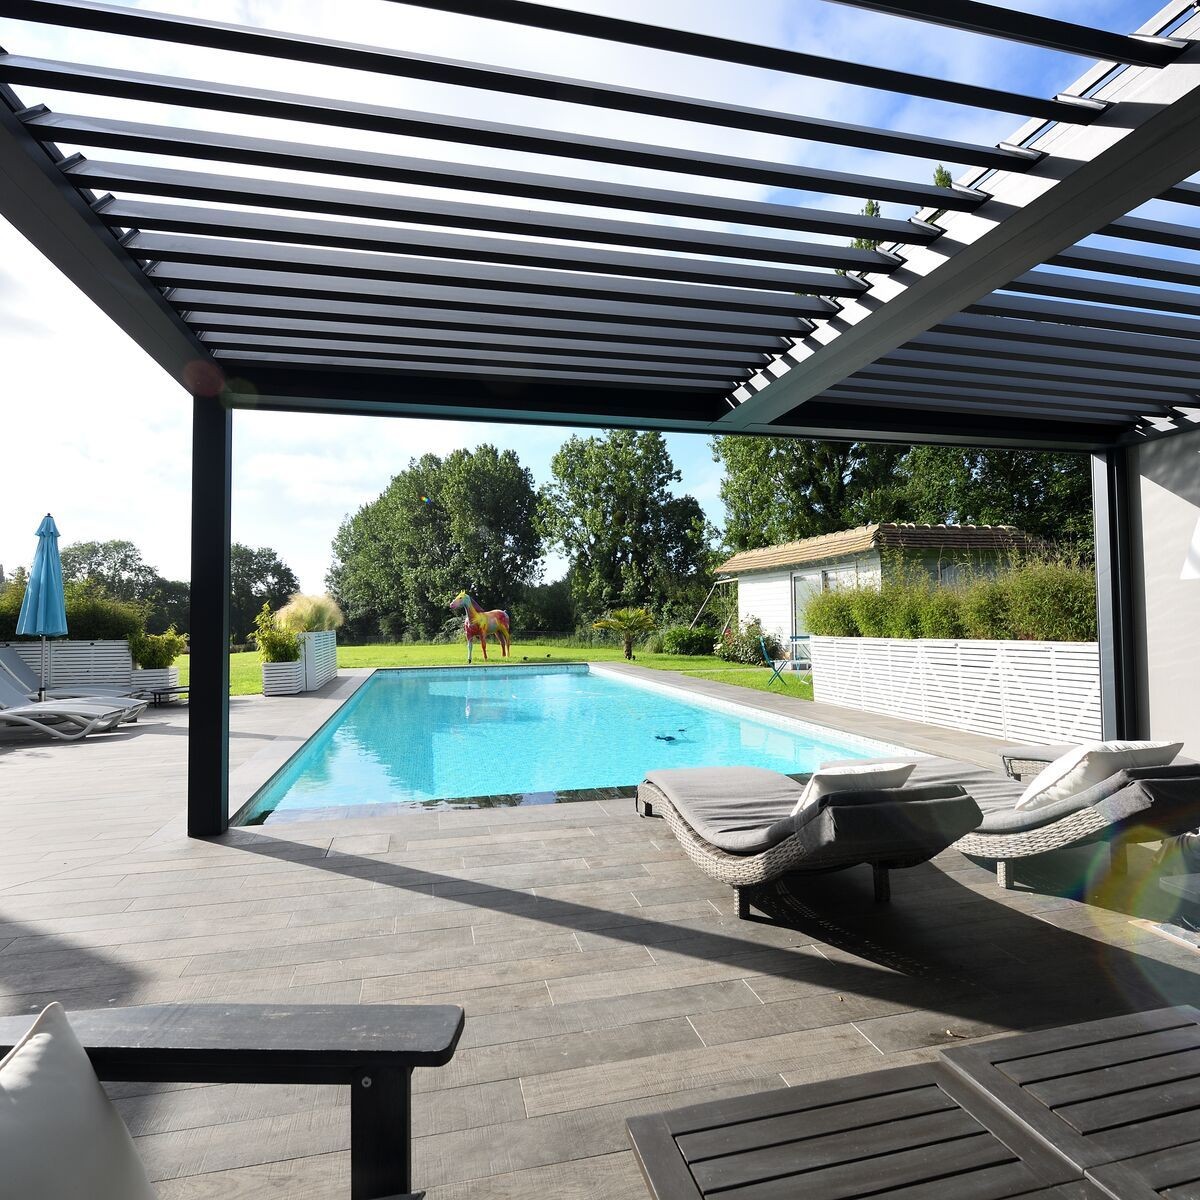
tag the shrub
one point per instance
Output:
(275, 645)
(92, 616)
(654, 643)
(903, 605)
(679, 639)
(10, 609)
(1052, 602)
(310, 614)
(742, 645)
(155, 651)
(941, 615)
(985, 610)
(831, 614)
(870, 610)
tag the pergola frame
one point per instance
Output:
(982, 320)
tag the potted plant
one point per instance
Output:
(282, 668)
(154, 656)
(314, 620)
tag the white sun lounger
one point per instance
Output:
(66, 719)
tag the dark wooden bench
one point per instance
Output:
(1102, 1110)
(372, 1049)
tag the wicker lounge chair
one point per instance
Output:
(1140, 804)
(735, 824)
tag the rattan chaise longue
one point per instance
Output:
(736, 824)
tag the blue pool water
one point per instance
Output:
(418, 738)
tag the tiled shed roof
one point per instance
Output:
(907, 535)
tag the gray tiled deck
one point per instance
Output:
(601, 973)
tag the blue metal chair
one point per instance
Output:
(777, 665)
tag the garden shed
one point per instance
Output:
(774, 582)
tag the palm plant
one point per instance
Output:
(629, 624)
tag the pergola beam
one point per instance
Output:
(393, 168)
(289, 47)
(1085, 316)
(229, 281)
(909, 392)
(470, 248)
(1090, 177)
(365, 339)
(350, 267)
(1017, 369)
(996, 405)
(348, 114)
(206, 311)
(1015, 25)
(448, 357)
(383, 206)
(1027, 334)
(54, 217)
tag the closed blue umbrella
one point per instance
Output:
(44, 610)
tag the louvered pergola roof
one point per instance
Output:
(1049, 298)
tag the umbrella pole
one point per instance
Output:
(42, 686)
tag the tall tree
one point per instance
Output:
(256, 577)
(441, 525)
(115, 566)
(1046, 494)
(630, 542)
(783, 489)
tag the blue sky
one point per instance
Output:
(112, 460)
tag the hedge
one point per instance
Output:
(1038, 601)
(91, 615)
(681, 639)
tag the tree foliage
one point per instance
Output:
(783, 489)
(256, 577)
(1048, 495)
(630, 542)
(117, 569)
(441, 525)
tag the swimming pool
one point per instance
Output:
(447, 737)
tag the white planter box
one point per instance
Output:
(283, 679)
(147, 680)
(1019, 691)
(318, 652)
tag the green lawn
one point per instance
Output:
(245, 678)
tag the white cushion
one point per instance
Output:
(60, 1137)
(851, 779)
(1089, 764)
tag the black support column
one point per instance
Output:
(208, 736)
(1119, 648)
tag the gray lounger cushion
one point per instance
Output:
(746, 810)
(739, 809)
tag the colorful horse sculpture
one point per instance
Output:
(479, 625)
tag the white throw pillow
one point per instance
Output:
(851, 779)
(60, 1137)
(1089, 764)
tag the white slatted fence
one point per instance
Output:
(80, 664)
(1020, 691)
(320, 658)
